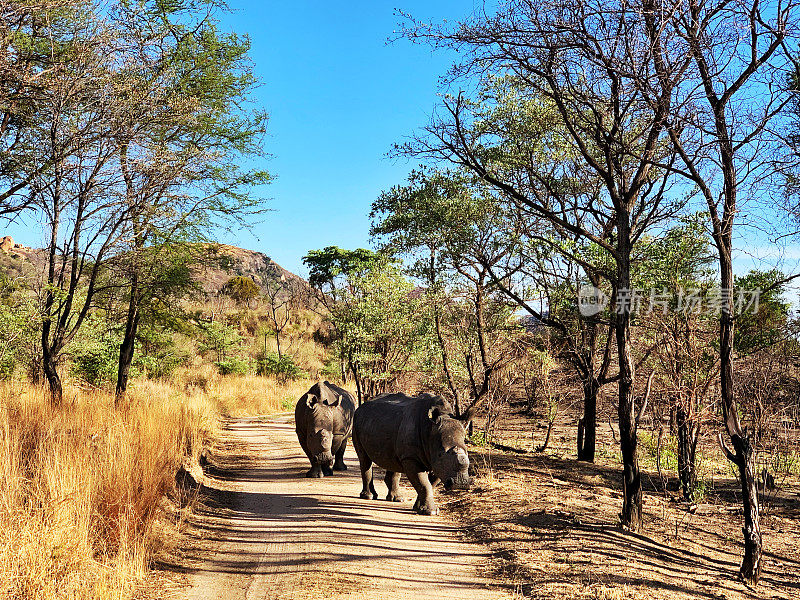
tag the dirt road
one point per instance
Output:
(267, 532)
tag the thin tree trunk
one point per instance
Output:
(743, 455)
(587, 434)
(128, 345)
(49, 367)
(687, 432)
(631, 516)
(437, 319)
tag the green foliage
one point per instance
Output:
(233, 365)
(242, 289)
(767, 325)
(669, 458)
(19, 325)
(374, 315)
(478, 438)
(681, 258)
(333, 267)
(95, 355)
(221, 339)
(7, 366)
(282, 367)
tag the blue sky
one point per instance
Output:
(338, 96)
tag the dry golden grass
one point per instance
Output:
(235, 396)
(83, 485)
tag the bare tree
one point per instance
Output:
(583, 63)
(283, 301)
(738, 52)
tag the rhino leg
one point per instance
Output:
(392, 480)
(424, 504)
(368, 490)
(326, 470)
(338, 463)
(315, 470)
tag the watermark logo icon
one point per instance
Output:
(591, 300)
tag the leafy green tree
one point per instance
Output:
(190, 127)
(372, 311)
(763, 322)
(455, 237)
(681, 339)
(242, 289)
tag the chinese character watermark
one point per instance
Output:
(592, 301)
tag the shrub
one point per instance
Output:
(282, 368)
(233, 366)
(7, 366)
(97, 361)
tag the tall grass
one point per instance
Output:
(242, 395)
(83, 486)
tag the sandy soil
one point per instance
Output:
(265, 531)
(552, 521)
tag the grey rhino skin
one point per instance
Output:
(417, 436)
(323, 420)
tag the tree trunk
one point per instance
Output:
(437, 319)
(49, 367)
(750, 571)
(126, 350)
(631, 516)
(742, 456)
(587, 430)
(687, 444)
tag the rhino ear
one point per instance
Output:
(333, 400)
(311, 400)
(435, 413)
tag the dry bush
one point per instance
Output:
(83, 485)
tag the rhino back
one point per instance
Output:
(392, 428)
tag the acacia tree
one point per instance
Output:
(455, 237)
(372, 311)
(79, 193)
(570, 55)
(187, 128)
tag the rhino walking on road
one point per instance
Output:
(412, 435)
(324, 420)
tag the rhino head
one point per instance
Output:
(448, 450)
(323, 403)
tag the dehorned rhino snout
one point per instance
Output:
(460, 479)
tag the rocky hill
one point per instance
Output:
(221, 263)
(227, 261)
